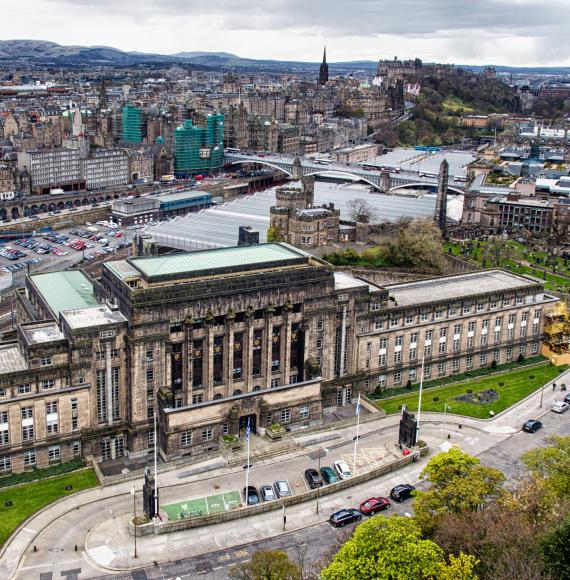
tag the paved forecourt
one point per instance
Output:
(203, 506)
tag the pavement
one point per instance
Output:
(85, 535)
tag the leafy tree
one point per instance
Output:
(274, 234)
(416, 243)
(552, 463)
(459, 483)
(266, 565)
(497, 251)
(555, 551)
(460, 567)
(386, 548)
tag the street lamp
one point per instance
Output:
(134, 494)
(319, 487)
(541, 396)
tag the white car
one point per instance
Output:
(341, 467)
(560, 406)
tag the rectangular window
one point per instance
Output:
(424, 316)
(438, 314)
(480, 307)
(207, 433)
(320, 325)
(412, 374)
(399, 340)
(5, 463)
(427, 350)
(493, 305)
(257, 351)
(52, 421)
(197, 363)
(150, 439)
(469, 361)
(457, 329)
(176, 327)
(441, 368)
(76, 447)
(107, 334)
(471, 326)
(47, 384)
(394, 322)
(319, 343)
(149, 375)
(382, 360)
(483, 358)
(453, 312)
(382, 381)
(519, 300)
(509, 354)
(398, 378)
(304, 412)
(225, 429)
(534, 347)
(397, 357)
(375, 306)
(442, 347)
(285, 415)
(149, 412)
(455, 365)
(53, 453)
(507, 302)
(466, 309)
(45, 361)
(101, 384)
(149, 355)
(484, 338)
(274, 383)
(378, 325)
(413, 354)
(455, 345)
(186, 438)
(238, 356)
(24, 389)
(429, 334)
(535, 328)
(522, 349)
(4, 428)
(197, 399)
(275, 348)
(409, 319)
(29, 458)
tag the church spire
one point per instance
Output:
(324, 70)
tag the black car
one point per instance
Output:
(402, 492)
(251, 496)
(313, 478)
(532, 426)
(345, 516)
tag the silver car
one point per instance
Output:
(267, 493)
(282, 488)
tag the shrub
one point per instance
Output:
(521, 357)
(409, 385)
(494, 364)
(421, 443)
(435, 399)
(35, 474)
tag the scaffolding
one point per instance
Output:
(132, 124)
(199, 148)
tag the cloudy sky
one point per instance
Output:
(509, 32)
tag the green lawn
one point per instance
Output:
(203, 506)
(29, 498)
(517, 385)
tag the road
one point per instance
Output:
(96, 520)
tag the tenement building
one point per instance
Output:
(204, 342)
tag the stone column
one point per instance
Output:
(286, 348)
(248, 353)
(229, 358)
(208, 362)
(266, 360)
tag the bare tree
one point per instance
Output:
(361, 211)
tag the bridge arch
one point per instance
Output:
(336, 173)
(424, 185)
(15, 213)
(260, 162)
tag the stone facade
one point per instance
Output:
(212, 339)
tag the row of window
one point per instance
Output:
(442, 368)
(30, 456)
(451, 312)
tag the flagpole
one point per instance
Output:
(357, 429)
(155, 469)
(247, 466)
(420, 400)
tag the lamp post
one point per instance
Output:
(541, 396)
(134, 494)
(319, 487)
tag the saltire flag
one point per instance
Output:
(247, 431)
(358, 405)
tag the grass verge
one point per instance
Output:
(511, 388)
(30, 497)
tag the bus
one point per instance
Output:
(231, 150)
(323, 161)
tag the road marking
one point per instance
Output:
(241, 554)
(29, 530)
(217, 567)
(224, 557)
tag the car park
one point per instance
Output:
(267, 493)
(250, 495)
(373, 505)
(560, 406)
(313, 478)
(282, 488)
(342, 469)
(328, 475)
(402, 492)
(345, 516)
(532, 426)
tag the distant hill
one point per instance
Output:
(198, 53)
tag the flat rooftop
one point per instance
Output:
(11, 359)
(218, 261)
(183, 195)
(343, 281)
(44, 332)
(65, 290)
(456, 287)
(94, 316)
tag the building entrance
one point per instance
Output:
(243, 424)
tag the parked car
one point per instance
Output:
(567, 398)
(250, 495)
(313, 478)
(267, 493)
(345, 516)
(560, 406)
(532, 426)
(342, 469)
(282, 488)
(329, 476)
(374, 504)
(402, 492)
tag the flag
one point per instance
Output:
(247, 431)
(358, 405)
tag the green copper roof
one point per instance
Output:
(65, 290)
(217, 261)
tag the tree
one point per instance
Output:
(552, 463)
(459, 483)
(361, 211)
(497, 251)
(391, 548)
(266, 565)
(555, 551)
(416, 243)
(274, 234)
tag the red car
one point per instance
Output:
(374, 504)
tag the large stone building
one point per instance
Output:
(212, 339)
(106, 168)
(52, 168)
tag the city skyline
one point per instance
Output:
(506, 32)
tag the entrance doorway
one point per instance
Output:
(243, 424)
(344, 396)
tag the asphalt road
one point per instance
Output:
(312, 543)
